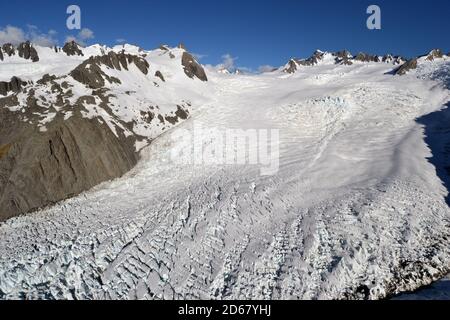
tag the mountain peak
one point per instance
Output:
(434, 54)
(24, 50)
(72, 48)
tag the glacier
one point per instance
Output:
(356, 210)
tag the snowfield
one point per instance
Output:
(356, 210)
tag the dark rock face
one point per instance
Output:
(72, 49)
(192, 68)
(292, 67)
(364, 57)
(387, 58)
(393, 59)
(41, 168)
(343, 57)
(180, 114)
(15, 85)
(91, 74)
(409, 65)
(27, 51)
(311, 61)
(46, 79)
(160, 75)
(8, 49)
(315, 58)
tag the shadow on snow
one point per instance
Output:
(437, 137)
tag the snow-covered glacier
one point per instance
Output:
(357, 209)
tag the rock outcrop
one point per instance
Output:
(160, 75)
(406, 67)
(396, 60)
(8, 49)
(192, 68)
(15, 85)
(28, 52)
(343, 57)
(72, 48)
(293, 64)
(91, 74)
(40, 168)
(434, 54)
(364, 57)
(25, 50)
(413, 63)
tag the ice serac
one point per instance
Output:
(192, 68)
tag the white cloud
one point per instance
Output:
(121, 40)
(86, 34)
(42, 39)
(12, 35)
(228, 62)
(15, 36)
(266, 68)
(81, 38)
(199, 56)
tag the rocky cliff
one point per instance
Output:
(63, 134)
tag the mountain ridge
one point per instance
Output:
(134, 94)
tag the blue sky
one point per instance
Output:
(255, 32)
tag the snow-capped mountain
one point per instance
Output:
(357, 209)
(94, 108)
(341, 57)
